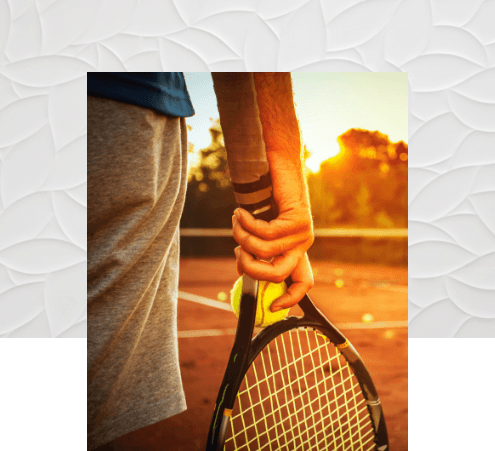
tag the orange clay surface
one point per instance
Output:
(344, 292)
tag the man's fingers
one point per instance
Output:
(302, 279)
(275, 271)
(278, 228)
(237, 260)
(302, 276)
(267, 249)
(294, 294)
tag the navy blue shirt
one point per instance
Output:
(161, 91)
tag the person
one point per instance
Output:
(137, 178)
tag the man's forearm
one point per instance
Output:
(284, 240)
(282, 137)
(278, 117)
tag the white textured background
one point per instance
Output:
(448, 49)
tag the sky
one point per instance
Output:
(327, 105)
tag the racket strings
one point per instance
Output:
(300, 394)
(341, 418)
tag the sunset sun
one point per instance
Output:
(319, 155)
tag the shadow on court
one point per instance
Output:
(356, 298)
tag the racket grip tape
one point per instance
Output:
(256, 197)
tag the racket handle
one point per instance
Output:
(256, 197)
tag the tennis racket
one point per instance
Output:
(298, 384)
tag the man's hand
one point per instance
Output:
(282, 243)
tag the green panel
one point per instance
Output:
(43, 394)
(451, 394)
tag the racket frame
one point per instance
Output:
(247, 348)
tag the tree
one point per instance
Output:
(364, 186)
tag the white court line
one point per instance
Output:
(226, 306)
(205, 301)
(205, 333)
(398, 288)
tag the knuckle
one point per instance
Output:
(277, 278)
(271, 250)
(248, 242)
(286, 274)
(289, 229)
(280, 248)
(235, 235)
(270, 234)
(265, 254)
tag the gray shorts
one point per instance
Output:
(137, 178)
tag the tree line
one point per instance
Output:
(365, 185)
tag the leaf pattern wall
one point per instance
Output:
(447, 48)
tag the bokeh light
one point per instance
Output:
(338, 272)
(367, 318)
(389, 333)
(222, 296)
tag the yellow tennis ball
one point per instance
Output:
(267, 293)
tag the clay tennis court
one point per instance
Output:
(344, 292)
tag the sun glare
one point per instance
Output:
(313, 163)
(318, 156)
(327, 105)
